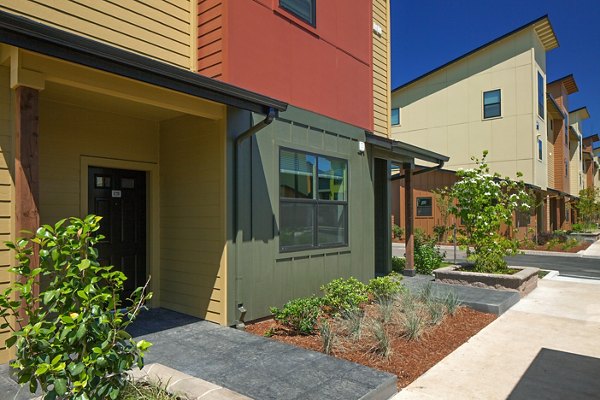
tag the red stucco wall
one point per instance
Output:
(325, 69)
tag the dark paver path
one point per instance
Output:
(257, 367)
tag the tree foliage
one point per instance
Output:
(485, 202)
(70, 338)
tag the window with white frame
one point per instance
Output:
(303, 9)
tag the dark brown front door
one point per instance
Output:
(119, 197)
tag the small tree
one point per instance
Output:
(588, 206)
(484, 202)
(443, 201)
(70, 338)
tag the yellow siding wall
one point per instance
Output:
(381, 69)
(155, 28)
(66, 133)
(6, 190)
(192, 176)
(444, 111)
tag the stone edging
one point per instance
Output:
(184, 385)
(522, 282)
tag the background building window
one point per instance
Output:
(540, 149)
(491, 104)
(395, 116)
(313, 193)
(541, 96)
(303, 9)
(566, 168)
(424, 207)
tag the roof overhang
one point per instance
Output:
(579, 114)
(405, 149)
(590, 140)
(568, 82)
(30, 35)
(554, 108)
(542, 27)
(573, 133)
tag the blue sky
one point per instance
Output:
(429, 33)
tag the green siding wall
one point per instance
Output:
(261, 276)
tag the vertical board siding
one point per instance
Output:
(381, 69)
(192, 216)
(155, 28)
(210, 38)
(6, 191)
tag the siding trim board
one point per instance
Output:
(34, 36)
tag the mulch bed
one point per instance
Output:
(558, 249)
(408, 359)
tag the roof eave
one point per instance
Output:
(43, 39)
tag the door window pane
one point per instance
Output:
(332, 179)
(297, 225)
(296, 175)
(332, 224)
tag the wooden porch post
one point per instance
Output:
(27, 216)
(409, 269)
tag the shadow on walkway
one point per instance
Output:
(557, 375)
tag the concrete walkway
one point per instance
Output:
(545, 347)
(593, 250)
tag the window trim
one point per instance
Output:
(392, 116)
(316, 201)
(541, 107)
(417, 207)
(483, 117)
(312, 22)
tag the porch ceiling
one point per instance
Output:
(97, 101)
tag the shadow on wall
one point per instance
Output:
(557, 375)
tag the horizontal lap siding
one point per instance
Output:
(155, 28)
(192, 218)
(210, 38)
(6, 190)
(381, 69)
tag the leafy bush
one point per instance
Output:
(397, 231)
(569, 244)
(300, 314)
(72, 342)
(427, 256)
(398, 264)
(578, 228)
(385, 287)
(344, 294)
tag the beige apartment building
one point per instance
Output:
(493, 98)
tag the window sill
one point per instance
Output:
(492, 118)
(283, 13)
(290, 254)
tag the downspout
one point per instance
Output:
(271, 115)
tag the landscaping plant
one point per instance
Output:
(588, 207)
(385, 287)
(70, 335)
(398, 264)
(397, 231)
(300, 314)
(344, 294)
(327, 335)
(484, 202)
(443, 201)
(427, 255)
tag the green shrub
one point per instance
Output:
(578, 228)
(74, 343)
(344, 294)
(385, 287)
(440, 231)
(569, 244)
(300, 315)
(427, 256)
(397, 231)
(398, 264)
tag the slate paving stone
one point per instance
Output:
(256, 366)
